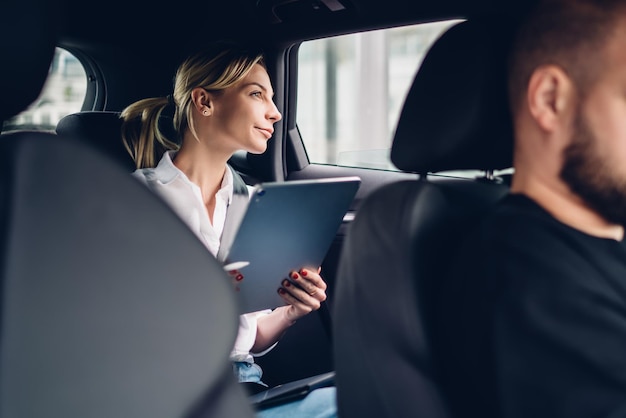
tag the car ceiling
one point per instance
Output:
(165, 26)
(138, 44)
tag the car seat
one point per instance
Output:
(110, 306)
(102, 129)
(455, 117)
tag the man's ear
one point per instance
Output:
(551, 97)
(202, 101)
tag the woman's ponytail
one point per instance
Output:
(142, 134)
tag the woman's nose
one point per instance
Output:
(274, 115)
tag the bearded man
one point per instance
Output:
(533, 321)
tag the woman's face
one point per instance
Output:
(243, 116)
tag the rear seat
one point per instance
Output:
(102, 128)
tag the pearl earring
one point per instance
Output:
(205, 113)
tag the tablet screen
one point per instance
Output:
(287, 225)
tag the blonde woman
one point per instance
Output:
(222, 103)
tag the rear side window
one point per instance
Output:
(63, 93)
(351, 89)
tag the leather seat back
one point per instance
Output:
(103, 131)
(396, 250)
(110, 306)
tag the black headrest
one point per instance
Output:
(28, 34)
(102, 129)
(456, 115)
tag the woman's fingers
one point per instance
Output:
(303, 291)
(236, 274)
(302, 302)
(236, 277)
(311, 298)
(311, 282)
(306, 288)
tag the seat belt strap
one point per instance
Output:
(234, 215)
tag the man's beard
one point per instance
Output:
(592, 179)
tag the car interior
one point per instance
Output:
(413, 226)
(89, 307)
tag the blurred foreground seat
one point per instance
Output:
(110, 306)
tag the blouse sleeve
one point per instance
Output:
(246, 337)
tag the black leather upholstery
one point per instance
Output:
(110, 306)
(397, 247)
(102, 129)
(456, 115)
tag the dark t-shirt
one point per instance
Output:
(533, 319)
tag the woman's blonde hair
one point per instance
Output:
(214, 69)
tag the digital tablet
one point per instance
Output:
(286, 226)
(291, 391)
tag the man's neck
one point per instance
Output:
(568, 208)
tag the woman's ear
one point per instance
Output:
(202, 101)
(551, 97)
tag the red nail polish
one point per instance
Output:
(303, 272)
(281, 291)
(294, 275)
(239, 277)
(286, 284)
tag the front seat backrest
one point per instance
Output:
(454, 117)
(109, 305)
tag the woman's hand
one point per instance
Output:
(236, 277)
(304, 293)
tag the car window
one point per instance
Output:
(62, 94)
(351, 89)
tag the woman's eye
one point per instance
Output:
(256, 94)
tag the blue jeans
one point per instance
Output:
(248, 372)
(320, 403)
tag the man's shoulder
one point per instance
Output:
(521, 239)
(514, 217)
(518, 235)
(520, 219)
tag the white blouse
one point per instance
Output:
(185, 198)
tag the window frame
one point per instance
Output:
(297, 157)
(93, 94)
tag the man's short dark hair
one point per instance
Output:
(567, 33)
